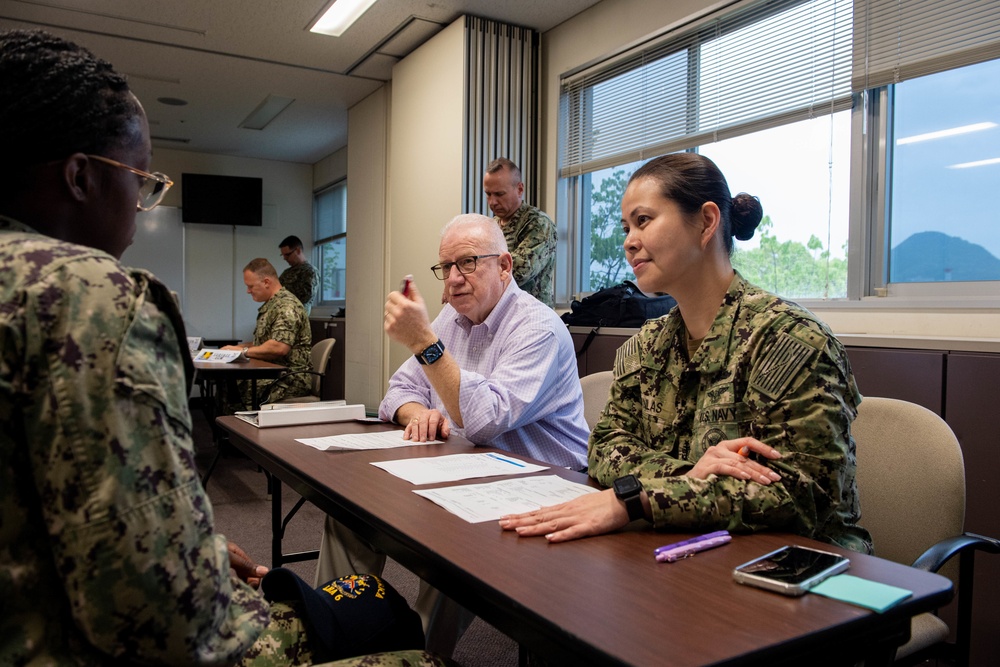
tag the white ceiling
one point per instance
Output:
(224, 57)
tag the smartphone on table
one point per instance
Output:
(791, 570)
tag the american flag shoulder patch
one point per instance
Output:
(780, 366)
(627, 358)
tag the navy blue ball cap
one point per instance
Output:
(350, 616)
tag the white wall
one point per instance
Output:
(404, 184)
(365, 349)
(425, 163)
(613, 24)
(330, 169)
(216, 304)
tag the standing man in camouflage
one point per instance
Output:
(108, 553)
(300, 278)
(530, 234)
(281, 336)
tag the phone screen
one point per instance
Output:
(792, 565)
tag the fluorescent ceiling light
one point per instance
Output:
(977, 163)
(266, 111)
(340, 15)
(940, 134)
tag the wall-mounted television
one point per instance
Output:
(221, 200)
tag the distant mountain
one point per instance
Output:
(935, 257)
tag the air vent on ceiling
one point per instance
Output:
(176, 140)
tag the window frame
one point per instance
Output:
(869, 217)
(320, 241)
(870, 227)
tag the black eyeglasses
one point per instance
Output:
(152, 188)
(464, 264)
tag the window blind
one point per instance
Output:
(897, 40)
(748, 67)
(330, 213)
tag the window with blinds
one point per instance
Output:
(755, 67)
(330, 238)
(905, 39)
(800, 102)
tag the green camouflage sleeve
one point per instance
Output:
(618, 443)
(534, 248)
(301, 280)
(129, 523)
(284, 320)
(808, 419)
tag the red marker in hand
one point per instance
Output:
(404, 286)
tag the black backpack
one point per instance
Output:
(622, 305)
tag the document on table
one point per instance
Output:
(453, 467)
(217, 356)
(376, 440)
(488, 502)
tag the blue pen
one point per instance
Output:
(693, 540)
(505, 460)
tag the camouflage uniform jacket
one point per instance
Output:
(301, 280)
(767, 368)
(282, 318)
(107, 548)
(531, 240)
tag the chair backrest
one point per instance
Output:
(596, 388)
(911, 477)
(320, 357)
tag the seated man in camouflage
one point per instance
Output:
(281, 336)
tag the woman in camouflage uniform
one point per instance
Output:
(731, 412)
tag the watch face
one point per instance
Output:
(627, 486)
(432, 353)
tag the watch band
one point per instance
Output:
(245, 353)
(431, 353)
(629, 491)
(633, 504)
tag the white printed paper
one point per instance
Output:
(453, 467)
(377, 440)
(476, 503)
(217, 356)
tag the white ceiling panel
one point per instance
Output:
(225, 56)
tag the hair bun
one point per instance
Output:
(746, 215)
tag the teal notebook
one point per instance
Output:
(862, 592)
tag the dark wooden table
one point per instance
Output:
(598, 601)
(209, 376)
(251, 369)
